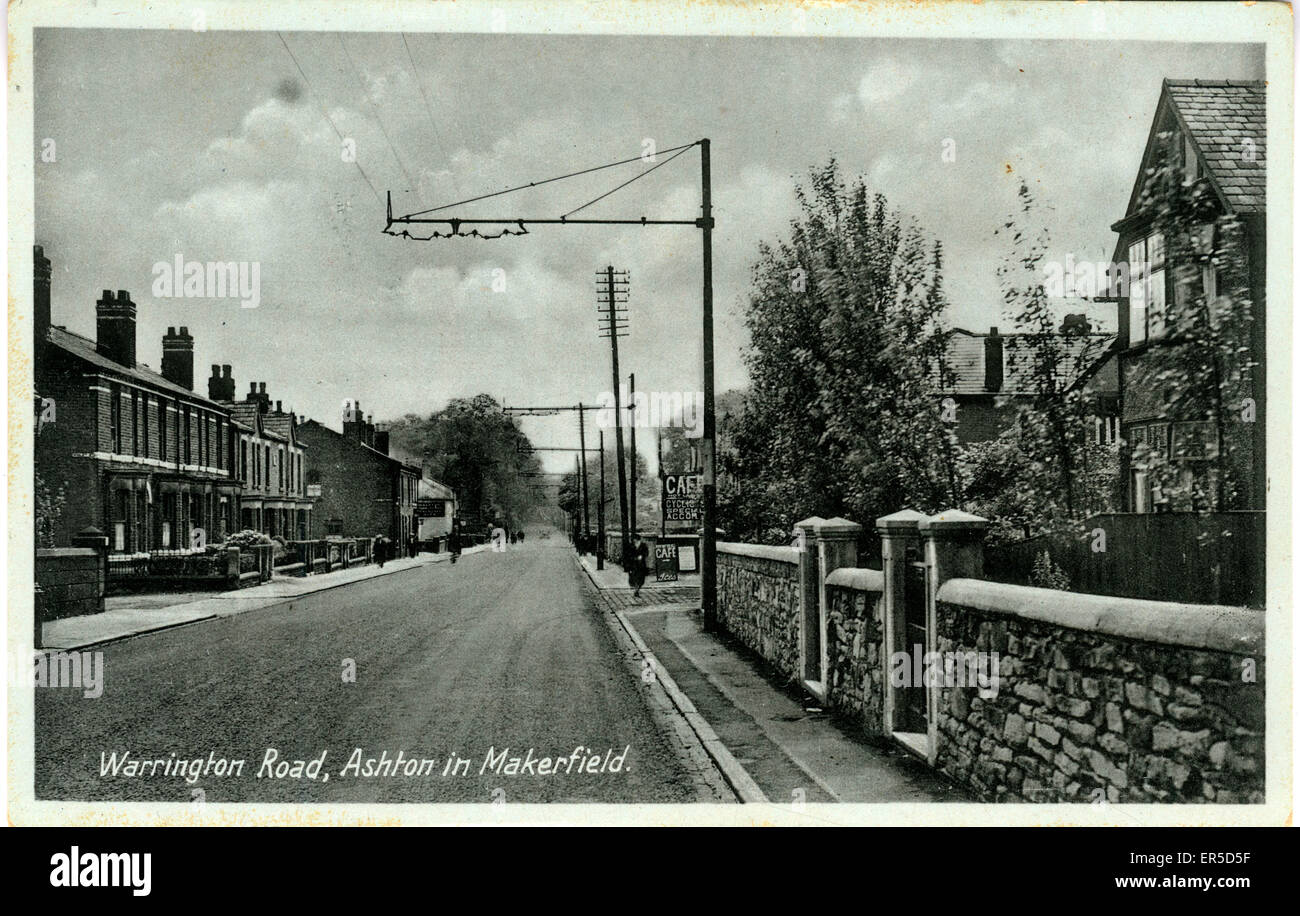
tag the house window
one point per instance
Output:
(162, 429)
(115, 418)
(221, 443)
(279, 468)
(185, 433)
(243, 461)
(135, 422)
(119, 521)
(1105, 430)
(144, 423)
(1146, 259)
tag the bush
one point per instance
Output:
(1048, 574)
(247, 538)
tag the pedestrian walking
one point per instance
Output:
(638, 564)
(381, 550)
(453, 540)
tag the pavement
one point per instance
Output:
(476, 671)
(791, 752)
(125, 616)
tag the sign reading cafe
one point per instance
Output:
(681, 497)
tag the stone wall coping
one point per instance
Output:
(1198, 626)
(47, 553)
(952, 520)
(759, 551)
(864, 580)
(837, 528)
(904, 519)
(810, 523)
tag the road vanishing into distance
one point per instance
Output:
(478, 672)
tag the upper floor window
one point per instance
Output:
(115, 417)
(144, 423)
(185, 432)
(162, 429)
(1147, 277)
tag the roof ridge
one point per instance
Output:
(1218, 84)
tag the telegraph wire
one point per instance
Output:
(325, 114)
(428, 109)
(374, 110)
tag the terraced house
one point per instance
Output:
(135, 453)
(268, 460)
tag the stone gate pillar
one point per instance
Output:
(898, 533)
(805, 545)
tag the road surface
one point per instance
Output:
(477, 672)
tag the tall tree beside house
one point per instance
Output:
(1038, 475)
(1200, 355)
(846, 365)
(473, 447)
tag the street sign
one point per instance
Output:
(681, 497)
(665, 562)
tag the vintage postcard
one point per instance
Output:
(649, 412)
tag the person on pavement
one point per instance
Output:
(638, 564)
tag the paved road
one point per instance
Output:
(502, 650)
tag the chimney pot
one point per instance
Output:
(225, 370)
(171, 332)
(123, 295)
(216, 371)
(277, 407)
(178, 359)
(261, 387)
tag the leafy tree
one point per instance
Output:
(846, 361)
(49, 509)
(476, 449)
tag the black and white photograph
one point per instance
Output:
(650, 412)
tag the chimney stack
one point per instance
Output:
(353, 422)
(41, 299)
(221, 387)
(381, 441)
(993, 361)
(115, 327)
(178, 358)
(277, 407)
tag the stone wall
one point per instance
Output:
(1103, 698)
(758, 601)
(855, 646)
(71, 581)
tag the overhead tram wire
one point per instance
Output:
(325, 114)
(415, 188)
(428, 109)
(538, 184)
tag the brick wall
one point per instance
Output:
(857, 662)
(72, 582)
(758, 601)
(1103, 698)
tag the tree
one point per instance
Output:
(478, 451)
(846, 362)
(49, 509)
(1041, 473)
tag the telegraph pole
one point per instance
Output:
(631, 432)
(600, 517)
(612, 288)
(586, 500)
(709, 537)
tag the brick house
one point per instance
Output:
(1215, 134)
(992, 377)
(268, 460)
(136, 453)
(359, 489)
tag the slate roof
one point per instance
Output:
(966, 361)
(84, 348)
(1220, 116)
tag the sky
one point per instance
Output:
(228, 146)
